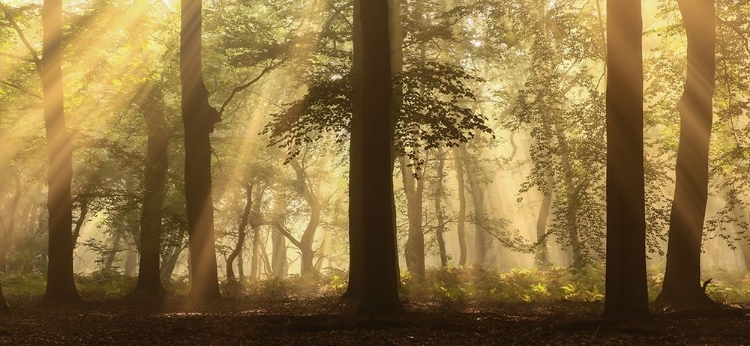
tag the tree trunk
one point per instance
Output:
(541, 256)
(3, 303)
(154, 190)
(110, 260)
(461, 218)
(10, 226)
(482, 243)
(380, 289)
(60, 284)
(308, 237)
(440, 228)
(84, 205)
(279, 263)
(626, 291)
(414, 189)
(682, 283)
(571, 198)
(199, 118)
(355, 288)
(241, 234)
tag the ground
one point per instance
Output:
(326, 322)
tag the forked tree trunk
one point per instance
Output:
(682, 282)
(199, 118)
(626, 294)
(241, 234)
(60, 284)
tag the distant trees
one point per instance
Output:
(626, 294)
(682, 282)
(198, 118)
(60, 284)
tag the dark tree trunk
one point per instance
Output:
(110, 260)
(241, 234)
(154, 190)
(414, 189)
(169, 263)
(571, 197)
(682, 282)
(440, 228)
(461, 218)
(84, 206)
(380, 265)
(354, 288)
(626, 291)
(60, 284)
(199, 118)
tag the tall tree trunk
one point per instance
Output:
(60, 284)
(571, 197)
(110, 260)
(151, 101)
(3, 303)
(541, 256)
(380, 284)
(241, 234)
(355, 288)
(461, 218)
(84, 206)
(626, 291)
(439, 194)
(682, 282)
(199, 118)
(414, 249)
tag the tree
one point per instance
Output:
(60, 284)
(151, 103)
(380, 258)
(198, 118)
(682, 285)
(626, 294)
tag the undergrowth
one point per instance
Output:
(445, 286)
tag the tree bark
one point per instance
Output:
(9, 226)
(380, 289)
(682, 283)
(241, 234)
(316, 209)
(414, 189)
(482, 243)
(461, 219)
(198, 118)
(626, 291)
(60, 284)
(354, 289)
(151, 102)
(440, 228)
(541, 256)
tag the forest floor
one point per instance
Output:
(325, 322)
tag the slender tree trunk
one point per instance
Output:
(84, 205)
(199, 118)
(482, 243)
(380, 284)
(682, 283)
(60, 284)
(571, 198)
(3, 303)
(110, 260)
(244, 220)
(461, 219)
(541, 256)
(279, 263)
(151, 103)
(440, 228)
(626, 291)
